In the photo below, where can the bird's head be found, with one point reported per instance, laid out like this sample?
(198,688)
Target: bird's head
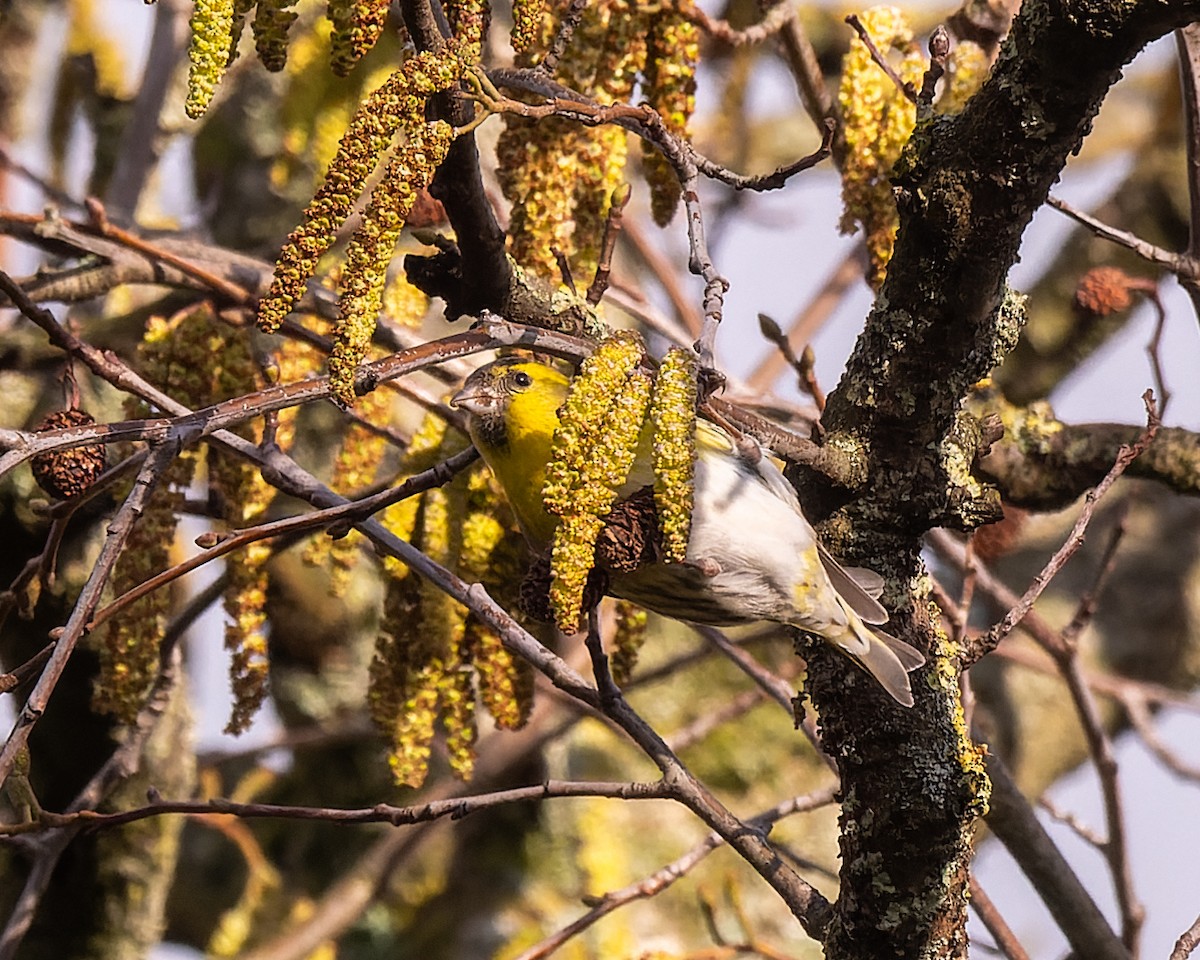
(510,399)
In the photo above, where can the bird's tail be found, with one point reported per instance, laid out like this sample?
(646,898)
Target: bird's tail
(888,659)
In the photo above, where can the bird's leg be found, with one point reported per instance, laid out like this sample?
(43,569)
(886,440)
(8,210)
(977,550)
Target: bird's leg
(607,687)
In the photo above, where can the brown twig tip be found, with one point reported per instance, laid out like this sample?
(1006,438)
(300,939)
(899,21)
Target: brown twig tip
(939,49)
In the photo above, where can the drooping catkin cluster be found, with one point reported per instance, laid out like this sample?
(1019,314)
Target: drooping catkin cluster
(210,52)
(431,654)
(245,497)
(365,272)
(217,25)
(560,176)
(356,24)
(594,447)
(628,637)
(672,57)
(877,121)
(272,21)
(396,107)
(673,413)
(174,351)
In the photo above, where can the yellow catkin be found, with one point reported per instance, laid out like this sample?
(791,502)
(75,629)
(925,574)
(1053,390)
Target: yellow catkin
(370,252)
(967,67)
(399,100)
(357,25)
(593,450)
(420,670)
(628,638)
(505,681)
(877,121)
(209,53)
(468,19)
(673,413)
(355,468)
(672,58)
(404,303)
(176,351)
(527,30)
(245,496)
(558,176)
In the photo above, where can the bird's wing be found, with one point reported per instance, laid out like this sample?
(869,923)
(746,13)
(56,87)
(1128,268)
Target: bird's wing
(857,586)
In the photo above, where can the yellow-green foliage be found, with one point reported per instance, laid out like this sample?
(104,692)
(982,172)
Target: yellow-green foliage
(673,413)
(210,51)
(877,120)
(370,252)
(593,450)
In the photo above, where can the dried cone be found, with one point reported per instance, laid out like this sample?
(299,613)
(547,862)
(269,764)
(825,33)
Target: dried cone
(68,473)
(1104,290)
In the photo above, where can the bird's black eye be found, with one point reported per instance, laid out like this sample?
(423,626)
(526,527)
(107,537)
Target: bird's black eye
(522,379)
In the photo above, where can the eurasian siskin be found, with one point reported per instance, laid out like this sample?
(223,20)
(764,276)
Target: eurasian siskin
(751,555)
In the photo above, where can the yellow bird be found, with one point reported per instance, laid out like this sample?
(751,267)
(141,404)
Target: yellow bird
(752,555)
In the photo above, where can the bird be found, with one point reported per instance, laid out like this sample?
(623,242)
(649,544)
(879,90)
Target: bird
(751,555)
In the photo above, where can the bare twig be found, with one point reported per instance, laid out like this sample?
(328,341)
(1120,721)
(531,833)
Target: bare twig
(881,59)
(612,229)
(1187,41)
(330,517)
(813,315)
(939,49)
(658,881)
(1006,941)
(778,15)
(1074,540)
(1138,710)
(804,365)
(455,808)
(1014,822)
(1187,942)
(1181,265)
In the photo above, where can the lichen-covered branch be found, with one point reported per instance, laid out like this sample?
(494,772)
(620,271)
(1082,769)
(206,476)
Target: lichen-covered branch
(1045,464)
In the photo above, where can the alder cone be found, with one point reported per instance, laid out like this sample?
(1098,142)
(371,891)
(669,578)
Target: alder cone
(68,473)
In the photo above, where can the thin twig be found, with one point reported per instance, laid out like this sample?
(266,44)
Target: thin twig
(881,59)
(658,881)
(1181,265)
(455,808)
(1006,941)
(1074,540)
(1187,942)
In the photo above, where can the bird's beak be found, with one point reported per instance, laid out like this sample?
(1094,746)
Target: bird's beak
(477,398)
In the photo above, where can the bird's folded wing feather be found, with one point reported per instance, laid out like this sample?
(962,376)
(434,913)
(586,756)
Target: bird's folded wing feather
(858,586)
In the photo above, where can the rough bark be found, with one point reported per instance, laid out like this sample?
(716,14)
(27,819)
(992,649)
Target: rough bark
(966,188)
